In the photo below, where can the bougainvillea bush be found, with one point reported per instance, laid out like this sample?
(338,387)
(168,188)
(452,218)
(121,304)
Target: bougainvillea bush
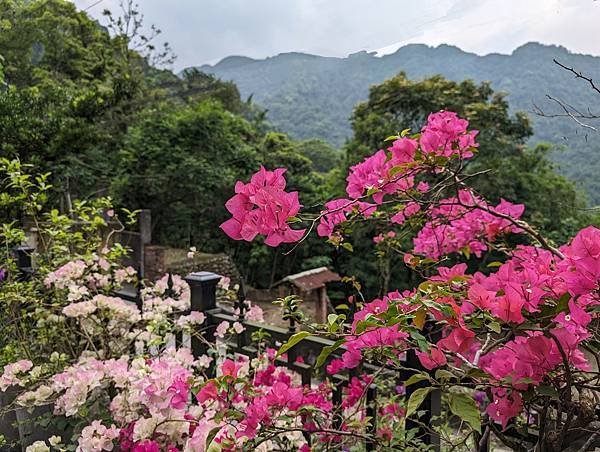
(511,345)
(503,324)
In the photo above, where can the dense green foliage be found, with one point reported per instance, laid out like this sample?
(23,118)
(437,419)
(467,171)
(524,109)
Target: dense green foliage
(78,103)
(311,96)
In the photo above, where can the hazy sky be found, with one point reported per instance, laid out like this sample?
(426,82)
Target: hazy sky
(205,31)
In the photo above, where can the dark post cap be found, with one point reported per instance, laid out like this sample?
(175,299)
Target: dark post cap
(201,277)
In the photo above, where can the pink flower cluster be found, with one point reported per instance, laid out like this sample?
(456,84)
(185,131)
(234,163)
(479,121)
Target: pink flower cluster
(337,212)
(445,134)
(375,338)
(114,308)
(263,207)
(96,437)
(151,405)
(465,223)
(271,396)
(373,174)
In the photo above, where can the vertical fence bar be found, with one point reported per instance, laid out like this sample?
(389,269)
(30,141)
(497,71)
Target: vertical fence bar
(372,414)
(431,405)
(145,223)
(482,442)
(292,353)
(240,304)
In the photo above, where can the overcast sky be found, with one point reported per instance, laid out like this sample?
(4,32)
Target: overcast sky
(205,31)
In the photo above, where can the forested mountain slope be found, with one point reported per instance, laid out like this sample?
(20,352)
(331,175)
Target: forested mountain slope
(313,96)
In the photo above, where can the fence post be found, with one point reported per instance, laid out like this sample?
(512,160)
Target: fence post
(23,257)
(203,298)
(431,405)
(145,224)
(371,413)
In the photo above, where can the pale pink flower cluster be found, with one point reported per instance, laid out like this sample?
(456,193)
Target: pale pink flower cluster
(254,313)
(75,385)
(114,308)
(153,397)
(81,277)
(159,302)
(180,289)
(66,275)
(13,373)
(222,329)
(97,437)
(193,318)
(224,283)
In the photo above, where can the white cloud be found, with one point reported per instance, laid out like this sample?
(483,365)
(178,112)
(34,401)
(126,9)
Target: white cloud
(207,30)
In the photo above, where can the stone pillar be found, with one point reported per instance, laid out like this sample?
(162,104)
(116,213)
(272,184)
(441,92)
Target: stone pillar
(322,309)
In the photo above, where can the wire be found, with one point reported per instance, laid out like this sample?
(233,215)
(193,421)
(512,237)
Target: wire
(93,4)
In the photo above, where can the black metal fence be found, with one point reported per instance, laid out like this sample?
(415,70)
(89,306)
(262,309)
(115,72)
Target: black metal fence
(203,286)
(203,292)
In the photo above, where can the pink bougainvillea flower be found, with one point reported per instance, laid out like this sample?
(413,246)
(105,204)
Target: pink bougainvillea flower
(445,134)
(464,223)
(229,368)
(435,358)
(146,446)
(281,394)
(505,405)
(208,392)
(458,341)
(263,207)
(356,390)
(583,259)
(180,390)
(337,211)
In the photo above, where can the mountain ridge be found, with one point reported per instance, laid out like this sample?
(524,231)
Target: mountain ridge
(312,96)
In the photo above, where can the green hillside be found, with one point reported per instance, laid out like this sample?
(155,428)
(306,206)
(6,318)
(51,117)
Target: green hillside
(311,96)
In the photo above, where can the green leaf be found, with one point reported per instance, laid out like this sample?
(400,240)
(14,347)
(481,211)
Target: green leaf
(563,303)
(415,379)
(211,444)
(465,408)
(371,191)
(495,327)
(348,246)
(419,319)
(326,351)
(293,340)
(549,391)
(442,374)
(416,399)
(392,138)
(466,252)
(396,170)
(494,264)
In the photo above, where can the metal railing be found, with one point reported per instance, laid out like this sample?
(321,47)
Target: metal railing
(203,287)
